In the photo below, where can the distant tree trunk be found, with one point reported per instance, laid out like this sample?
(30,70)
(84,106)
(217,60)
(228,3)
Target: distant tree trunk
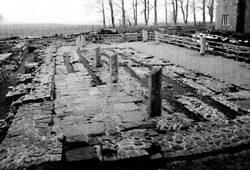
(98,6)
(194,12)
(175,10)
(204,12)
(103,15)
(184,10)
(112,13)
(155,10)
(166,12)
(187,11)
(123,14)
(146,11)
(122,7)
(210,7)
(135,5)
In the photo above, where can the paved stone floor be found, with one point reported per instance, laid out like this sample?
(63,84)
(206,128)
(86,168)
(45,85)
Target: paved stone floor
(221,68)
(74,114)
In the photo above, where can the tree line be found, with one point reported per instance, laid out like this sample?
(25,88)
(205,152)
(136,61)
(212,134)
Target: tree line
(129,10)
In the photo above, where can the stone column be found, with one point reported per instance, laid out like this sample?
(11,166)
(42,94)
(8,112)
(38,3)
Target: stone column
(98,57)
(203,45)
(145,35)
(83,41)
(114,68)
(154,92)
(157,40)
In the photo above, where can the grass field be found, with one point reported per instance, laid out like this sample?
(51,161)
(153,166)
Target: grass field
(23,30)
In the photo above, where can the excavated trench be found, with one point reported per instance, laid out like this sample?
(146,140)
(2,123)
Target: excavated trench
(96,80)
(11,80)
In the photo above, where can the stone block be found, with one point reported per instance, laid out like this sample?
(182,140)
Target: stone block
(81,154)
(155,156)
(132,153)
(122,154)
(152,132)
(91,129)
(109,158)
(76,138)
(134,116)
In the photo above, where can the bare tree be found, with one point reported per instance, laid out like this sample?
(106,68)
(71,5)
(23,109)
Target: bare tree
(204,11)
(201,4)
(103,13)
(135,8)
(175,10)
(146,10)
(166,12)
(210,7)
(97,6)
(123,14)
(112,13)
(193,5)
(122,7)
(155,11)
(184,9)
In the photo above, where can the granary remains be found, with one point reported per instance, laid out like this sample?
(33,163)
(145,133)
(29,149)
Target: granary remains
(233,15)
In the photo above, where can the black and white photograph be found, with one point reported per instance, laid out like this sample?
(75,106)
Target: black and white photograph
(124,84)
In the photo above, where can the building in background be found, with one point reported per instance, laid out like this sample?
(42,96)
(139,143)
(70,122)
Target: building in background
(233,15)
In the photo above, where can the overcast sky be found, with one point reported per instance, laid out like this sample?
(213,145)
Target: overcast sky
(57,11)
(45,11)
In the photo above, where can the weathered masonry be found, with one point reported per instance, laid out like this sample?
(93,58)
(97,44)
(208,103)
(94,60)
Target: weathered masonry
(233,15)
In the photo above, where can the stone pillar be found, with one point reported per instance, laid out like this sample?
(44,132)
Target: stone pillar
(154,92)
(144,35)
(157,40)
(114,68)
(203,45)
(78,41)
(98,57)
(83,41)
